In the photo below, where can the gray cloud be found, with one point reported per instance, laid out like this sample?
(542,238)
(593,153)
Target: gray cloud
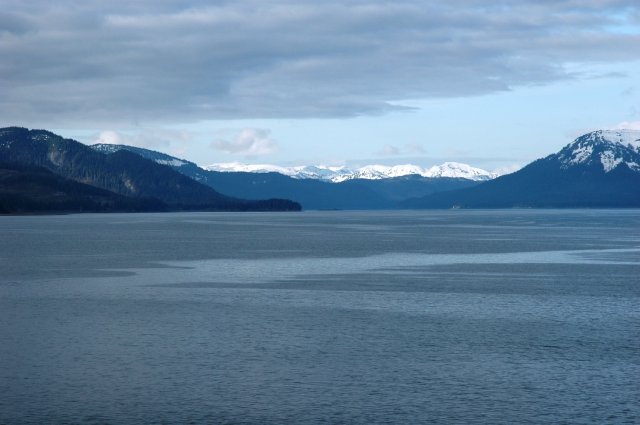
(88,63)
(408,149)
(173,142)
(628,125)
(248,142)
(152,138)
(389,150)
(414,148)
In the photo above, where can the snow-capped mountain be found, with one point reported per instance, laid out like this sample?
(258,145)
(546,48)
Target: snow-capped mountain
(459,170)
(335,174)
(598,169)
(319,172)
(369,172)
(607,148)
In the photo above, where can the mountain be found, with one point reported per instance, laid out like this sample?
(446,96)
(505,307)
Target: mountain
(458,170)
(122,172)
(313,191)
(30,189)
(369,172)
(182,166)
(606,148)
(599,169)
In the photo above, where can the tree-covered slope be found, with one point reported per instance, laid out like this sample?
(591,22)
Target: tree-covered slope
(122,172)
(30,189)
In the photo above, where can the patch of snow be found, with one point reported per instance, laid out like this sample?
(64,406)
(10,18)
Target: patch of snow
(41,137)
(634,166)
(624,137)
(172,162)
(106,148)
(581,154)
(609,161)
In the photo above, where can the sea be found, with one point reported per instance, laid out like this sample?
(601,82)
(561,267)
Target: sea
(328,317)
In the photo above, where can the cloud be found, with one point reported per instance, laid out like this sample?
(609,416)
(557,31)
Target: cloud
(627,125)
(507,169)
(414,148)
(113,64)
(248,142)
(108,137)
(145,138)
(408,149)
(174,142)
(388,150)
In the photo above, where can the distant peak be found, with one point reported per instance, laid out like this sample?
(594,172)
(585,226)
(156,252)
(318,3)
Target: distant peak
(457,169)
(338,174)
(603,148)
(624,137)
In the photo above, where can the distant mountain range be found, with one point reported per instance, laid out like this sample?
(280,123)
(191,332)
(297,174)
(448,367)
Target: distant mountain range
(454,170)
(43,172)
(141,184)
(317,189)
(598,169)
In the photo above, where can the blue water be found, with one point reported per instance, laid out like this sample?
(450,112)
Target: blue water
(517,316)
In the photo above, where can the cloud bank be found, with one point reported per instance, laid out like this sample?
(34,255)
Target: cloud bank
(69,63)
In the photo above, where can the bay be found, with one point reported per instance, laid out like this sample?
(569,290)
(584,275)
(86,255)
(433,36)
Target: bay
(511,316)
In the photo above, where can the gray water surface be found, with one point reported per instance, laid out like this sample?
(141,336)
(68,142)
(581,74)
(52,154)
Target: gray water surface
(321,317)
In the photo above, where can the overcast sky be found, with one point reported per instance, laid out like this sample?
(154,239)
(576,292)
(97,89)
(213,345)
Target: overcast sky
(491,83)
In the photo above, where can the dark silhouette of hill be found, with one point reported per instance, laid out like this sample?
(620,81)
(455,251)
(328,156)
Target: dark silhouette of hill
(30,189)
(122,172)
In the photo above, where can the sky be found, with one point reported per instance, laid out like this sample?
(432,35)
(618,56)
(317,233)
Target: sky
(495,84)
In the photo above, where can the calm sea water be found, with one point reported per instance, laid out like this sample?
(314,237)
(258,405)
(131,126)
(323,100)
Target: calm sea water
(321,317)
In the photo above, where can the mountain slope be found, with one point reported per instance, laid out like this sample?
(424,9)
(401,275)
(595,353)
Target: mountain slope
(29,189)
(182,166)
(312,193)
(122,172)
(598,169)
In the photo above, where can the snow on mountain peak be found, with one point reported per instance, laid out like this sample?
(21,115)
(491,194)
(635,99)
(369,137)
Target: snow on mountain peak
(338,174)
(623,137)
(246,168)
(459,170)
(609,148)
